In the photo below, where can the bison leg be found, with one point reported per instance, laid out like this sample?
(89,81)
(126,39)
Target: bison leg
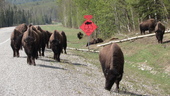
(65,50)
(17,53)
(54,57)
(13,53)
(117,86)
(29,60)
(58,57)
(33,61)
(161,38)
(43,51)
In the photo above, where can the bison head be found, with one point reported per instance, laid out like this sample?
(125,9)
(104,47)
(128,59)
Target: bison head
(54,44)
(29,44)
(111,76)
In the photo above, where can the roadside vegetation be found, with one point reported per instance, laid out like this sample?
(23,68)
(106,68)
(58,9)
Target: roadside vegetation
(147,68)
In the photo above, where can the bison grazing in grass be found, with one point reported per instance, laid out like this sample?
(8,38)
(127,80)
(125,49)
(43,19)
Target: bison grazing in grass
(112,63)
(30,42)
(56,44)
(16,37)
(147,25)
(159,30)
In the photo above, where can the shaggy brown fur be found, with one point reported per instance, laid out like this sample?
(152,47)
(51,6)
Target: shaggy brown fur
(147,25)
(159,30)
(112,63)
(64,41)
(16,45)
(30,42)
(56,44)
(22,27)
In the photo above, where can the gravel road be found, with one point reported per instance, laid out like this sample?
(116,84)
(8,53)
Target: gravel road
(73,76)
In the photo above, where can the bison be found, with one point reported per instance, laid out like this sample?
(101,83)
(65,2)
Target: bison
(80,35)
(44,39)
(147,25)
(16,45)
(16,37)
(64,41)
(48,36)
(112,63)
(56,44)
(30,42)
(94,41)
(159,30)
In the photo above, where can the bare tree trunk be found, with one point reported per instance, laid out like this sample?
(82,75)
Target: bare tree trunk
(133,22)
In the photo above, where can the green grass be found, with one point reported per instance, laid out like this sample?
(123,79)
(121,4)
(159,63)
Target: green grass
(142,52)
(71,33)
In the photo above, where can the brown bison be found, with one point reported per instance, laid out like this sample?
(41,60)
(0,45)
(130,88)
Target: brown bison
(112,63)
(48,36)
(80,35)
(94,41)
(16,37)
(30,42)
(44,39)
(159,30)
(64,41)
(147,25)
(56,44)
(16,45)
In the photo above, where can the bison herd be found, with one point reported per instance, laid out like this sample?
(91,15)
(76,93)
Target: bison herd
(34,40)
(153,25)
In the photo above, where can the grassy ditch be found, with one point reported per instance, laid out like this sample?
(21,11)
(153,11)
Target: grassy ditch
(147,63)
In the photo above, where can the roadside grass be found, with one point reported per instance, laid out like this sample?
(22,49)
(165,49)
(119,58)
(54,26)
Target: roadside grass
(146,61)
(71,34)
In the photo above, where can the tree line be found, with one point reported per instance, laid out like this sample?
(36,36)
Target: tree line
(12,15)
(112,16)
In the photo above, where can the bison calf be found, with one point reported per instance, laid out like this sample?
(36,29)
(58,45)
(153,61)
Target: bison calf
(112,63)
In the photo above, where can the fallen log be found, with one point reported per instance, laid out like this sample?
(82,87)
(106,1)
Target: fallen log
(128,39)
(84,50)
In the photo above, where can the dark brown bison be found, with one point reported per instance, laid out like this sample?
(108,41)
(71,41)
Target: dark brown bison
(159,30)
(44,39)
(94,41)
(147,25)
(112,63)
(80,35)
(30,42)
(16,45)
(16,37)
(48,36)
(56,44)
(64,41)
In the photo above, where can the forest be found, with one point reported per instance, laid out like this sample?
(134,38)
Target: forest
(14,12)
(112,16)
